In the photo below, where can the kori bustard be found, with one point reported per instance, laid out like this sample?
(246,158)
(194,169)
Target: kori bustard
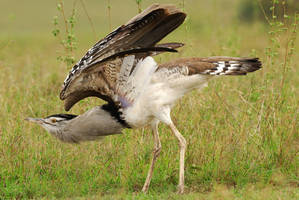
(139,92)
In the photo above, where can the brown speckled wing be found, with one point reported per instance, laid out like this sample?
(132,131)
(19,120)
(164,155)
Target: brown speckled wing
(95,74)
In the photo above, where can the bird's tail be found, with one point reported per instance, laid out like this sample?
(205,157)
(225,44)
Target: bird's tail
(232,65)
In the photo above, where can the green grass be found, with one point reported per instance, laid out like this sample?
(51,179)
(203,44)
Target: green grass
(242,132)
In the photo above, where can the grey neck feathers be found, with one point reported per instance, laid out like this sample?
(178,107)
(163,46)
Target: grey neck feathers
(92,125)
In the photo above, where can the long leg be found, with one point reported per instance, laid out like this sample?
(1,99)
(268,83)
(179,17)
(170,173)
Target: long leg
(183,145)
(156,153)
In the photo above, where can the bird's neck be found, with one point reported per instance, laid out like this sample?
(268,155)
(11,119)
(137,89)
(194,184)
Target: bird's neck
(92,125)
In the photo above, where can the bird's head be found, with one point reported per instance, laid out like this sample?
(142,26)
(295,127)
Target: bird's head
(53,123)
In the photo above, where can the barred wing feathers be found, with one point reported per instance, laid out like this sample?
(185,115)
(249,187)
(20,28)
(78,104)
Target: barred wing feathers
(218,65)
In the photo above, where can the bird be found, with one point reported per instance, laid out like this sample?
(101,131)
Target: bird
(139,92)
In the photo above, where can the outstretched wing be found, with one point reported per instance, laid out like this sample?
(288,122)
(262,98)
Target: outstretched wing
(217,65)
(96,74)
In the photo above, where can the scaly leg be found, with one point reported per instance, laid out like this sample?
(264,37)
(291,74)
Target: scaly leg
(156,152)
(183,145)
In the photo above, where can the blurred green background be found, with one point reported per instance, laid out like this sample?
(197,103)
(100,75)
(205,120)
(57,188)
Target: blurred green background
(242,132)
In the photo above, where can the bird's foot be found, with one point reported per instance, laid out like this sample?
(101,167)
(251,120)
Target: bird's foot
(180,189)
(145,188)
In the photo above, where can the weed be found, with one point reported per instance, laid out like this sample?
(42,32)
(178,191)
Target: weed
(138,2)
(66,39)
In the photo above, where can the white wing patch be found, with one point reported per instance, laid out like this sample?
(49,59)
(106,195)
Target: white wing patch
(131,85)
(142,75)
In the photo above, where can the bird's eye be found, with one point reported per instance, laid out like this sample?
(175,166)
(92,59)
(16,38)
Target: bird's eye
(53,120)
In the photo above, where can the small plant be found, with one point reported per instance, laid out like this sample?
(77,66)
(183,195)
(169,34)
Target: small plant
(279,54)
(183,5)
(67,37)
(138,2)
(282,35)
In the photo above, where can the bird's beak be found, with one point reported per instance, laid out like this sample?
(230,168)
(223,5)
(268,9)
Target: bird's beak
(35,120)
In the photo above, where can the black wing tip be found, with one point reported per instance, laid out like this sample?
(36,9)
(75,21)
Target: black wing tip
(250,65)
(254,64)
